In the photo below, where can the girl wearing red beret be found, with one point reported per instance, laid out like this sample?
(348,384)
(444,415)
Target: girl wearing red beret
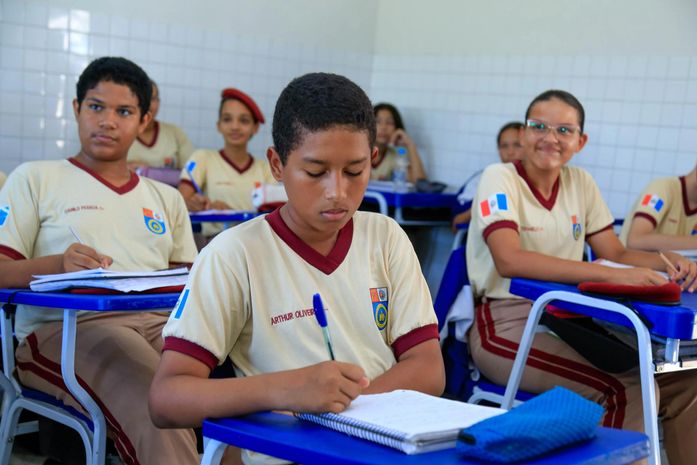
(224,179)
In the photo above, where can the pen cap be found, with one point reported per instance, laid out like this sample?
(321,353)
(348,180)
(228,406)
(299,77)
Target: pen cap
(319,310)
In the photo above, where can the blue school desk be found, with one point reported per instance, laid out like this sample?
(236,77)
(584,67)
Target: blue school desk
(669,325)
(307,443)
(221,216)
(389,198)
(71,303)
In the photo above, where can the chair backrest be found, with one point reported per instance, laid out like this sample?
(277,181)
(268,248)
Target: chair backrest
(454,277)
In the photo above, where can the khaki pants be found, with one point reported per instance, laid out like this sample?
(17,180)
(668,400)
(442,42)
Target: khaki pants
(116,356)
(493,342)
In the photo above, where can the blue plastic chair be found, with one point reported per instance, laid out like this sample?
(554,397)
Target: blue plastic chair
(462,379)
(17,398)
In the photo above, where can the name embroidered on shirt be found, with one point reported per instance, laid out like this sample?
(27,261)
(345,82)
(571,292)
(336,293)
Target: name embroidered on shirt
(82,208)
(283,317)
(495,203)
(532,228)
(653,201)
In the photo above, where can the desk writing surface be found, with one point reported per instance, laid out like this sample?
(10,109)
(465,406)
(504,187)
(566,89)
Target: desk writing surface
(308,443)
(417,199)
(221,216)
(96,302)
(667,320)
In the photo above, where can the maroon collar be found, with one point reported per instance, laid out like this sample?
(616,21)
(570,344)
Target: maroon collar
(154,139)
(239,169)
(547,203)
(129,186)
(327,264)
(685,203)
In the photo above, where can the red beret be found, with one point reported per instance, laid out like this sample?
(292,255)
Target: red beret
(231,93)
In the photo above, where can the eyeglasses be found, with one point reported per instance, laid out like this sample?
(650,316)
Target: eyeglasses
(562,132)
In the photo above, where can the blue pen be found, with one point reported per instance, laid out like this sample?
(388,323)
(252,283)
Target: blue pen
(190,169)
(322,320)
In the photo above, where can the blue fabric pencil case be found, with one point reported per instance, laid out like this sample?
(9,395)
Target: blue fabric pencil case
(551,420)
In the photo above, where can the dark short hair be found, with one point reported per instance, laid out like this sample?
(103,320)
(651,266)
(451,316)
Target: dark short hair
(506,127)
(565,97)
(119,71)
(316,102)
(398,123)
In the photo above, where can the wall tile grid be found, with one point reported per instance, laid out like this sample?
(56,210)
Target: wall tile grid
(44,49)
(641,112)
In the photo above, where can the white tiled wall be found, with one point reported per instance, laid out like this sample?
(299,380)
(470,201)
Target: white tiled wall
(43,49)
(641,112)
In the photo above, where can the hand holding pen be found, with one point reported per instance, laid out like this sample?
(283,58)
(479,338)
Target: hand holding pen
(79,256)
(683,272)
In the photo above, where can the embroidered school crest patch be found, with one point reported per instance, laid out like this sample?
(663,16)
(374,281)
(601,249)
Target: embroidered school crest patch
(495,203)
(693,233)
(378,296)
(154,221)
(575,227)
(4,214)
(653,201)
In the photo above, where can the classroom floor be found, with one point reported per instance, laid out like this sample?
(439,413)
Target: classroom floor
(23,456)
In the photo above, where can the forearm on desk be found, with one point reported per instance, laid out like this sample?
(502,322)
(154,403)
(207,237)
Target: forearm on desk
(655,241)
(18,273)
(419,368)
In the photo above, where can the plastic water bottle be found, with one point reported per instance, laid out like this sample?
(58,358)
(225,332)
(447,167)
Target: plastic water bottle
(399,175)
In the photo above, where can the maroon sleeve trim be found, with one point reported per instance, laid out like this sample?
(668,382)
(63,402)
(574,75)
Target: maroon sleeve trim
(414,338)
(12,253)
(192,350)
(647,216)
(499,225)
(609,226)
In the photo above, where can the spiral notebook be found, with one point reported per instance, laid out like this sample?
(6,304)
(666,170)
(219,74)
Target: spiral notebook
(410,421)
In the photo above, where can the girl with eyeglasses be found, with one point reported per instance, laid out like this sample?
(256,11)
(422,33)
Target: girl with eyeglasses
(531,219)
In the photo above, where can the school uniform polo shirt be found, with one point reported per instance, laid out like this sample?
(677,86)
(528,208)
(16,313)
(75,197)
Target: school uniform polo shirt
(382,168)
(664,204)
(558,226)
(250,294)
(142,225)
(170,147)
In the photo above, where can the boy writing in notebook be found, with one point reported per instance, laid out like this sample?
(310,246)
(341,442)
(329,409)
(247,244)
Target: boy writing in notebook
(250,294)
(125,223)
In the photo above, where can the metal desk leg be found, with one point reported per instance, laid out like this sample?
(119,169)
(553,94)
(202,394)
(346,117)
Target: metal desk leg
(646,367)
(212,452)
(382,203)
(68,372)
(672,350)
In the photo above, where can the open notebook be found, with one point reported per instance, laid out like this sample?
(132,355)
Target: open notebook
(122,281)
(410,421)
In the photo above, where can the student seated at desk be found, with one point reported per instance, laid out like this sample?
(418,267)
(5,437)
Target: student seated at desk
(664,216)
(160,144)
(125,222)
(510,149)
(530,220)
(227,177)
(250,294)
(390,135)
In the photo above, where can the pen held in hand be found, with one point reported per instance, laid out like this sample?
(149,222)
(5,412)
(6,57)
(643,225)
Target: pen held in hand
(190,170)
(669,265)
(321,316)
(77,238)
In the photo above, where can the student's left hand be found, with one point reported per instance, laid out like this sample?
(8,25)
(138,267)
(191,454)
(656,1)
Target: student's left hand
(687,272)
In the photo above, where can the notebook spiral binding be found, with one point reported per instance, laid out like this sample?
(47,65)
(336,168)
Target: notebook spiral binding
(385,436)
